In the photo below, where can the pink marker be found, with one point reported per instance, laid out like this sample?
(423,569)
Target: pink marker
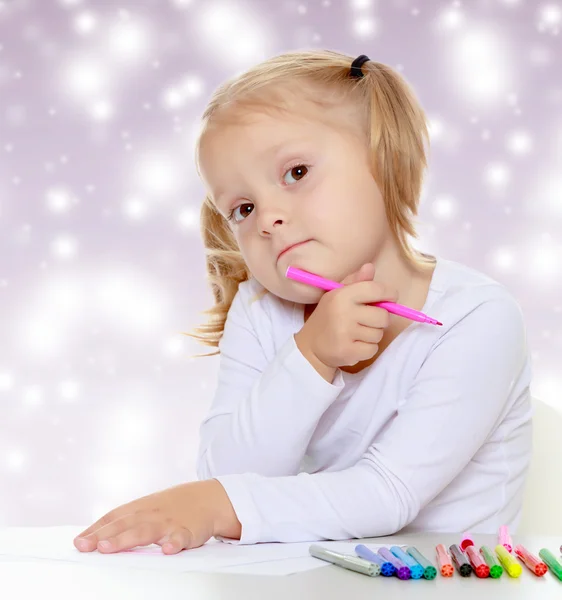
(505,538)
(327,284)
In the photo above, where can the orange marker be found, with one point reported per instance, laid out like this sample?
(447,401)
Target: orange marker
(444,561)
(532,562)
(480,567)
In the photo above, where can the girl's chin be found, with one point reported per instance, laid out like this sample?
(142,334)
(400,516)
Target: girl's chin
(302,293)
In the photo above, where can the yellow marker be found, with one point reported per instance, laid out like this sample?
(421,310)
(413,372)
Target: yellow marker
(513,568)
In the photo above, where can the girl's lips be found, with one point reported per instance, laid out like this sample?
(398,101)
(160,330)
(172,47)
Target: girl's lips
(291,247)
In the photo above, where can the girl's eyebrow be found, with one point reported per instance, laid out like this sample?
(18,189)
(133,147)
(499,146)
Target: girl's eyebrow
(274,149)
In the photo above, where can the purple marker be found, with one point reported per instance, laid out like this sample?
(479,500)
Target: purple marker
(402,570)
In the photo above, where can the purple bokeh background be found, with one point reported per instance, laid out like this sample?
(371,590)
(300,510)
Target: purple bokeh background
(101,263)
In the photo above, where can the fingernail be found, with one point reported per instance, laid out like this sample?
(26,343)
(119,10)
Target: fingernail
(105,545)
(82,543)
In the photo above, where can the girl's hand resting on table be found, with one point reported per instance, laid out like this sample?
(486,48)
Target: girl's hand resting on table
(181,517)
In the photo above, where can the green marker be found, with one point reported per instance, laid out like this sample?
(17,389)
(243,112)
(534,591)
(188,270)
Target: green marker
(429,571)
(496,570)
(551,562)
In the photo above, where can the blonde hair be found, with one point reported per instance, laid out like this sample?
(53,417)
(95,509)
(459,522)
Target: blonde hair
(396,131)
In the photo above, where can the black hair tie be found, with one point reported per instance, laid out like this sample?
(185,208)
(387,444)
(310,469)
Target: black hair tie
(356,65)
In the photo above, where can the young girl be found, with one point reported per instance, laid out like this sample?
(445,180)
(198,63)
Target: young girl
(334,419)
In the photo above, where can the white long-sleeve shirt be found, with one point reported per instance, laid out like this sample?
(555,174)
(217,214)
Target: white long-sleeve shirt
(434,436)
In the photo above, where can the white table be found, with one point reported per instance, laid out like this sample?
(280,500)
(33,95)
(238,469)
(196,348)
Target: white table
(23,579)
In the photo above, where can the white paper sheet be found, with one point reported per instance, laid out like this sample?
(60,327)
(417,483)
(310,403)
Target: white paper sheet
(55,543)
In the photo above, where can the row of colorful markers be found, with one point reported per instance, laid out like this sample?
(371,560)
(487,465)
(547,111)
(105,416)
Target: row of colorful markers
(412,564)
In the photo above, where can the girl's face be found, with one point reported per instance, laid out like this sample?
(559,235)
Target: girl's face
(296,191)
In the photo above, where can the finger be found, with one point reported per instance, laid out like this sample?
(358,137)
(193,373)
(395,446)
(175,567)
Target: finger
(89,542)
(364,350)
(370,292)
(177,541)
(365,273)
(140,534)
(125,509)
(368,335)
(109,517)
(372,316)
(105,520)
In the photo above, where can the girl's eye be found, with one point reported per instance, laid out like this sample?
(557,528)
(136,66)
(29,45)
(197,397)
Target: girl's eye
(297,172)
(240,212)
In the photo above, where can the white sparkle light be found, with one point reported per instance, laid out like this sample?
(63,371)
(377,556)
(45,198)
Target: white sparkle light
(176,96)
(233,33)
(497,175)
(549,18)
(157,174)
(361,4)
(130,301)
(102,110)
(45,324)
(135,208)
(86,77)
(129,41)
(450,19)
(60,199)
(174,347)
(444,207)
(435,127)
(15,460)
(503,259)
(85,22)
(64,246)
(189,219)
(545,261)
(69,390)
(445,135)
(364,27)
(519,143)
(480,65)
(173,98)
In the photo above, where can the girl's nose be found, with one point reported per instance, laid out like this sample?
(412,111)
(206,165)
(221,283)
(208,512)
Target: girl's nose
(271,218)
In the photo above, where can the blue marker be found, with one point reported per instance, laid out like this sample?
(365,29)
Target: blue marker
(415,567)
(387,568)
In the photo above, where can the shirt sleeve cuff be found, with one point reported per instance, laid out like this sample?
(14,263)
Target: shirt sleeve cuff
(244,507)
(313,382)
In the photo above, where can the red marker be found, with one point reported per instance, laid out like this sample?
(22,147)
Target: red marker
(532,562)
(480,567)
